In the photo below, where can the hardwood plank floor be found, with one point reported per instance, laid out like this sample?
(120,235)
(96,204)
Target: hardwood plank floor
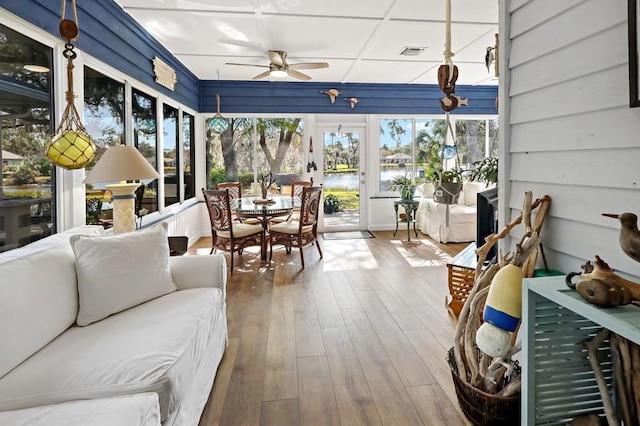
(357,338)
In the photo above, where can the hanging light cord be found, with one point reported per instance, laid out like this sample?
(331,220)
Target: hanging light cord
(69,31)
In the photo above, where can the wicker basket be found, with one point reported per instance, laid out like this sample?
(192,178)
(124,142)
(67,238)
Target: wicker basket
(484,409)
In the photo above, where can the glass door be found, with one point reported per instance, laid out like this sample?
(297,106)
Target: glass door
(343,179)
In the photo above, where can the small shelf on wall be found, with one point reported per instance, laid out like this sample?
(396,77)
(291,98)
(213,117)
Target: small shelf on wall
(558,382)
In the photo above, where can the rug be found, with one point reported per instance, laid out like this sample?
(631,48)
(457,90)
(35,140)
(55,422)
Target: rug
(347,235)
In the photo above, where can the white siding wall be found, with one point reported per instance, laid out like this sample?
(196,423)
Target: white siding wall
(568,129)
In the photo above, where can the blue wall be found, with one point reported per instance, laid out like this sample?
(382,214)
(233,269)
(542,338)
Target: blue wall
(112,36)
(305,97)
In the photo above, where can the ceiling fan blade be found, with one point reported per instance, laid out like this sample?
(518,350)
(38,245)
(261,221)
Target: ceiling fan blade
(278,57)
(247,65)
(298,75)
(309,65)
(262,75)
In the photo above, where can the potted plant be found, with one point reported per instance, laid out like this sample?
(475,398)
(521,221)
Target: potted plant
(448,187)
(405,185)
(485,171)
(332,204)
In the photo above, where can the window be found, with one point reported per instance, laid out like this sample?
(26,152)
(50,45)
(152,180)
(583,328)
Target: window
(476,140)
(27,185)
(412,146)
(104,121)
(171,155)
(188,155)
(233,155)
(146,140)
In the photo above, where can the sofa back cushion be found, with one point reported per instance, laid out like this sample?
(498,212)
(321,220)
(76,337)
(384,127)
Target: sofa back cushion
(118,272)
(38,301)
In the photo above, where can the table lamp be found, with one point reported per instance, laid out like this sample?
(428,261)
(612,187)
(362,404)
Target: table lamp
(122,163)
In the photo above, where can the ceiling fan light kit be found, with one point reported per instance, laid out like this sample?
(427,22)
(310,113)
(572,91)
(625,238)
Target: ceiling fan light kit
(278,73)
(279,68)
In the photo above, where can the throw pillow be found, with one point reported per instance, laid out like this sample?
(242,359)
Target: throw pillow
(121,271)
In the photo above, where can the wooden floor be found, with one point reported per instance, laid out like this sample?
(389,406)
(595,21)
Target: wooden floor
(357,338)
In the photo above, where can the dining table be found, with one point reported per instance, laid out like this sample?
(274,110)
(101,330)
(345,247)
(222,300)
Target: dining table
(264,210)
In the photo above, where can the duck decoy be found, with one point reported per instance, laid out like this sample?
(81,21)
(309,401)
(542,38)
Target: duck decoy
(332,93)
(629,234)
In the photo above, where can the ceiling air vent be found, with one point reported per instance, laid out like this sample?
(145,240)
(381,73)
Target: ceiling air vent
(412,51)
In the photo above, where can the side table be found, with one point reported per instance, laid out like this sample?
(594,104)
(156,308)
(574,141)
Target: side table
(461,273)
(178,245)
(410,208)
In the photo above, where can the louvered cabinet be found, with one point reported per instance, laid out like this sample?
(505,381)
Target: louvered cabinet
(558,382)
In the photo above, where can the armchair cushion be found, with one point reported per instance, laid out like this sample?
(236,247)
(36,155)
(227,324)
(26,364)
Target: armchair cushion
(290,227)
(470,191)
(241,230)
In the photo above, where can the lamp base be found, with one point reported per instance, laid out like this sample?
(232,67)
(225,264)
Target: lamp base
(123,196)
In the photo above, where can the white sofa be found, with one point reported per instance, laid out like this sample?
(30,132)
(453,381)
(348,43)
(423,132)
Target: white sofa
(170,345)
(432,216)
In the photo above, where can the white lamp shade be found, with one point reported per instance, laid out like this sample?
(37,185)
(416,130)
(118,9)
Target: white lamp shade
(121,162)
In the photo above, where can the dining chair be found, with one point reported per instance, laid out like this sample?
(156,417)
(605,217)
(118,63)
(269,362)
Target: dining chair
(303,232)
(296,192)
(226,234)
(235,191)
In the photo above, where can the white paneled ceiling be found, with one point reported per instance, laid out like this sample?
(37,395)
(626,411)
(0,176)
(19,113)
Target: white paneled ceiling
(361,40)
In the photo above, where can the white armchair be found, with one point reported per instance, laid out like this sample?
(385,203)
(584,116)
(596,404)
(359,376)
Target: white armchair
(432,216)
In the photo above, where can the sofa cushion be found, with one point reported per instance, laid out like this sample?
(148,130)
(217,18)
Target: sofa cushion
(121,271)
(130,410)
(154,347)
(38,295)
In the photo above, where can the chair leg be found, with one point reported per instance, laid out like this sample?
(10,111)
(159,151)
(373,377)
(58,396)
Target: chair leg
(300,248)
(319,250)
(231,262)
(270,249)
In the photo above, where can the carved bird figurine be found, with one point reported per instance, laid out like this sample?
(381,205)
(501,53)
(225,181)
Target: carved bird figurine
(332,93)
(489,57)
(629,234)
(352,101)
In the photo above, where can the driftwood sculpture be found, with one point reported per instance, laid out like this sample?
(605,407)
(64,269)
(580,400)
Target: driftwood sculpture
(479,370)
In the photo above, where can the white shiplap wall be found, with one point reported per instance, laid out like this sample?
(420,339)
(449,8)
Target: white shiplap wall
(569,131)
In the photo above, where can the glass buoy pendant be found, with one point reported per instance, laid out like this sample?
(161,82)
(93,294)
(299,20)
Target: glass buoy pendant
(72,149)
(218,124)
(70,146)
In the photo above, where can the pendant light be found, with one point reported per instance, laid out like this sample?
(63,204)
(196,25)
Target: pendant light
(218,124)
(70,147)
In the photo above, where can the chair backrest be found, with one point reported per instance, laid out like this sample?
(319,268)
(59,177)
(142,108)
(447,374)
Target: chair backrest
(310,205)
(218,206)
(94,209)
(297,186)
(139,197)
(235,189)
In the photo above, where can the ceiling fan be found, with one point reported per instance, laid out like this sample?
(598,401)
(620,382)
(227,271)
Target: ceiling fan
(278,67)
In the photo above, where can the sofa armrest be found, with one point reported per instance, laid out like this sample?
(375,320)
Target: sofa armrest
(199,271)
